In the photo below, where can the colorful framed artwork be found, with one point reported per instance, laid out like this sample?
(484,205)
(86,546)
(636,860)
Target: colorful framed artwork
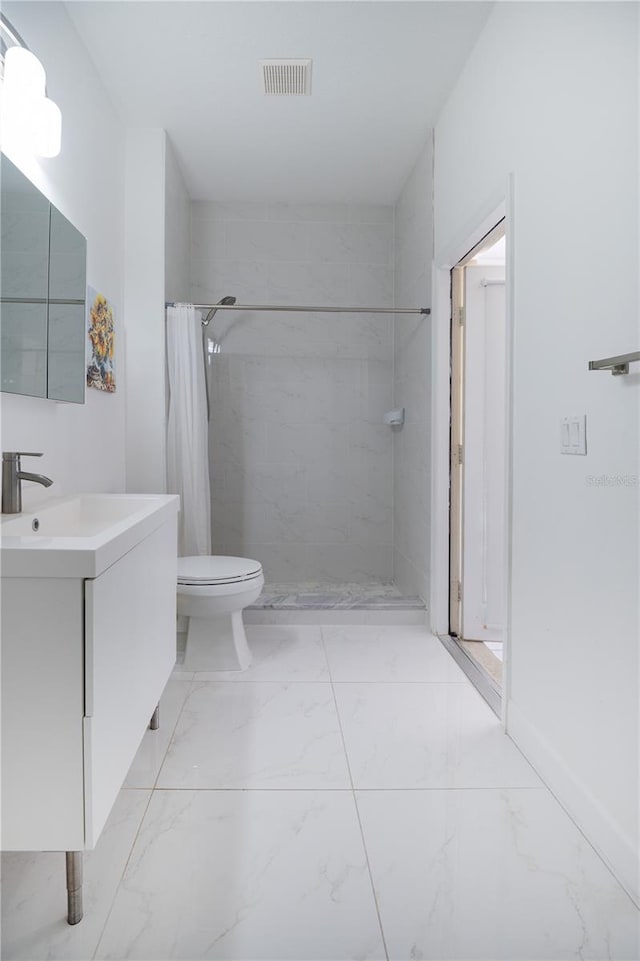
(101,343)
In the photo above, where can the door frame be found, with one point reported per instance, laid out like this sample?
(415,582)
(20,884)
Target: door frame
(495,209)
(461,367)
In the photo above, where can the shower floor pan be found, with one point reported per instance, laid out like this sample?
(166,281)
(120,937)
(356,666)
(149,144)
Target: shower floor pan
(315,596)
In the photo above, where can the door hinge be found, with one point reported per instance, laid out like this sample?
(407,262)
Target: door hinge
(459,592)
(461,316)
(457,455)
(460,455)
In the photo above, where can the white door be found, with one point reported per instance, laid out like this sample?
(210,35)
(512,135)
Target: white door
(483,506)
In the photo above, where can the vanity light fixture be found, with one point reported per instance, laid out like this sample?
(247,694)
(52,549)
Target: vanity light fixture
(29,120)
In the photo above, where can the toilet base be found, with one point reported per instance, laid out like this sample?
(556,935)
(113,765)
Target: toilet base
(217,643)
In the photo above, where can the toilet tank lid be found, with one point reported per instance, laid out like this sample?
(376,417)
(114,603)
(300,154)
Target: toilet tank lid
(211,568)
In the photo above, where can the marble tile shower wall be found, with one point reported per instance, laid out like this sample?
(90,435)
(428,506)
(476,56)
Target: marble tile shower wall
(412,381)
(301,463)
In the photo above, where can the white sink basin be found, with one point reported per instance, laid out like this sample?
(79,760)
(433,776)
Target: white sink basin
(79,536)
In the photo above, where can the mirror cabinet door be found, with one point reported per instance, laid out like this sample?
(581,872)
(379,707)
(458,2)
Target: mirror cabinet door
(42,294)
(67,327)
(23,349)
(24,262)
(67,362)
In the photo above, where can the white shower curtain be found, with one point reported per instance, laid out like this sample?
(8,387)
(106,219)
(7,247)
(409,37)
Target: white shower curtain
(187,430)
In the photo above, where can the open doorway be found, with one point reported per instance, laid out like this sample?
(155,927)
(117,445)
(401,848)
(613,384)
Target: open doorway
(477,578)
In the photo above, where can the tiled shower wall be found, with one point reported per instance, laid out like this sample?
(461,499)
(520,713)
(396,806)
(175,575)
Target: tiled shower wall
(301,463)
(412,380)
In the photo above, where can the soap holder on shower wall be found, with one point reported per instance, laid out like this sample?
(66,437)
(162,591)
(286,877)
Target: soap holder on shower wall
(394,418)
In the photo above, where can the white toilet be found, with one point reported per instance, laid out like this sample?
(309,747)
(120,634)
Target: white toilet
(212,593)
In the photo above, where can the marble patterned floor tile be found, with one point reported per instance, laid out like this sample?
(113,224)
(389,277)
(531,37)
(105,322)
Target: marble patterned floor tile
(34,897)
(148,760)
(281,652)
(491,876)
(427,736)
(257,735)
(246,875)
(379,653)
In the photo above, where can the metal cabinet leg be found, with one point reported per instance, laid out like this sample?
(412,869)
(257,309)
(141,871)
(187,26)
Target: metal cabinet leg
(74,886)
(154,723)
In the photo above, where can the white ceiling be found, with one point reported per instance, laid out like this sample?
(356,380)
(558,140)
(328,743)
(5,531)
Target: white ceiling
(381,72)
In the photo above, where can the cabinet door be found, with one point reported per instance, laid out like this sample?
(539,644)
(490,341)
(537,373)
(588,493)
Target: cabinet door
(130,650)
(42,699)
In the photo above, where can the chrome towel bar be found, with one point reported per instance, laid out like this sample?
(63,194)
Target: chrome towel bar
(617,365)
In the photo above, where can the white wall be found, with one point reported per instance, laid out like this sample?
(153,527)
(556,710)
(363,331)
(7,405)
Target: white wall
(83,445)
(301,461)
(412,382)
(144,305)
(177,230)
(550,93)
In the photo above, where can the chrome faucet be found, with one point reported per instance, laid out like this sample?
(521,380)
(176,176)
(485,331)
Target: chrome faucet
(11,477)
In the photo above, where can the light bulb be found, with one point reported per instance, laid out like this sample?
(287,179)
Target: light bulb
(24,73)
(18,120)
(28,119)
(48,136)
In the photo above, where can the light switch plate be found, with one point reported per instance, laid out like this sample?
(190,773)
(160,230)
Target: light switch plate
(573,435)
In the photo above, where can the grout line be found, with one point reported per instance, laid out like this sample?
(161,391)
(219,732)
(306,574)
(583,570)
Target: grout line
(394,391)
(248,683)
(355,802)
(320,680)
(123,872)
(344,790)
(144,814)
(462,681)
(545,786)
(261,789)
(173,732)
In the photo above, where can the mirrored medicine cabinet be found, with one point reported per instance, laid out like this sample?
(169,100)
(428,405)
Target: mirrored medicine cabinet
(43,262)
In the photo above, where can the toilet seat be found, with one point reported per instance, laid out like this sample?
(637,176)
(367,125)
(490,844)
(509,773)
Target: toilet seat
(210,570)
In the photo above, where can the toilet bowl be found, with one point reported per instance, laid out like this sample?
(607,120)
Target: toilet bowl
(212,593)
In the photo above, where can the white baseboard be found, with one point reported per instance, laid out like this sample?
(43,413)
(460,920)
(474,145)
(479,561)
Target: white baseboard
(615,848)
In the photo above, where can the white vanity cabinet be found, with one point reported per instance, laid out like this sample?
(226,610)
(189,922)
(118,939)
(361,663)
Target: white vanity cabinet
(84,662)
(130,651)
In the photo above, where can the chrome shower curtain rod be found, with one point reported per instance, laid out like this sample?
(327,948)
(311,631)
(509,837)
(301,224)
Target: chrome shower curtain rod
(314,310)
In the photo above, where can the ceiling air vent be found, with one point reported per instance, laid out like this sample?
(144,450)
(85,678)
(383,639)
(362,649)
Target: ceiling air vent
(286,78)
